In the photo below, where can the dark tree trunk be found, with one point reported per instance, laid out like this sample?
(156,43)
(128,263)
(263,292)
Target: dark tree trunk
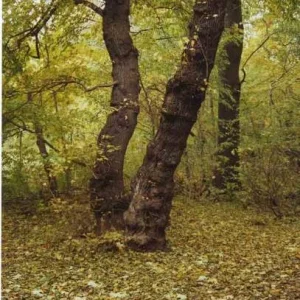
(40,141)
(148,214)
(68,180)
(229,99)
(106,185)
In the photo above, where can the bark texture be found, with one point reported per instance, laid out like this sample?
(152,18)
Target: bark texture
(148,213)
(106,185)
(229,99)
(40,141)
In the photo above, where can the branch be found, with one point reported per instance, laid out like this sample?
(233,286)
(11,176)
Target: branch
(250,56)
(98,10)
(154,87)
(274,82)
(9,134)
(37,47)
(18,108)
(78,162)
(35,30)
(150,110)
(25,128)
(71,80)
(141,31)
(87,90)
(50,145)
(64,83)
(53,84)
(44,19)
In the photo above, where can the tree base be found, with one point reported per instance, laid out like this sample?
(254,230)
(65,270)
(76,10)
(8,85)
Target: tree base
(142,243)
(109,222)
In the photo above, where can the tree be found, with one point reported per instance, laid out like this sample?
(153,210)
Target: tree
(270,99)
(40,141)
(152,189)
(229,98)
(107,183)
(35,67)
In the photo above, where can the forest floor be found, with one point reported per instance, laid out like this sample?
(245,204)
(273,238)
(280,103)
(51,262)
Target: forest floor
(217,251)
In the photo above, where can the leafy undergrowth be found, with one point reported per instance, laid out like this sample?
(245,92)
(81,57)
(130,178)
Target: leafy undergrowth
(217,251)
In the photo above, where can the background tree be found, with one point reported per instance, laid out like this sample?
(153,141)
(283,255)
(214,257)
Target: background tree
(229,98)
(269,175)
(74,66)
(55,72)
(269,53)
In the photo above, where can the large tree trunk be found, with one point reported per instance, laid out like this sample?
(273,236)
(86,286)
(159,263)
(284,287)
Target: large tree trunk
(148,214)
(40,141)
(106,185)
(229,99)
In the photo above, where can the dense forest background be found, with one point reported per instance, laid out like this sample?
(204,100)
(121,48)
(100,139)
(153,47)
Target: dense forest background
(53,78)
(57,93)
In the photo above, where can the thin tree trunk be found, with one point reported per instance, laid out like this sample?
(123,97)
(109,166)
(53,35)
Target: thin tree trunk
(229,99)
(20,151)
(148,214)
(67,169)
(40,141)
(68,180)
(106,185)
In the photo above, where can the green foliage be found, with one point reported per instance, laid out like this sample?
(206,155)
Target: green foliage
(73,59)
(219,250)
(269,116)
(276,183)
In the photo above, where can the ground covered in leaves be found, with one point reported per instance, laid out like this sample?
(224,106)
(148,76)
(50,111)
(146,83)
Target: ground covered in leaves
(217,251)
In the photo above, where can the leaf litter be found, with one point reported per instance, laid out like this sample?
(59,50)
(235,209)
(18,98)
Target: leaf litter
(216,252)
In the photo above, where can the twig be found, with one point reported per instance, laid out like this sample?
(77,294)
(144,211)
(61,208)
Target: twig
(53,84)
(35,30)
(250,56)
(150,110)
(25,128)
(91,5)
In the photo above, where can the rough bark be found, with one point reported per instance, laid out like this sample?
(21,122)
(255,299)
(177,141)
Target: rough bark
(40,141)
(229,99)
(106,185)
(148,213)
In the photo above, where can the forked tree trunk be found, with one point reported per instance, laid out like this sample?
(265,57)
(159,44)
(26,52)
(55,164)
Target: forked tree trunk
(148,214)
(229,99)
(106,185)
(40,141)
